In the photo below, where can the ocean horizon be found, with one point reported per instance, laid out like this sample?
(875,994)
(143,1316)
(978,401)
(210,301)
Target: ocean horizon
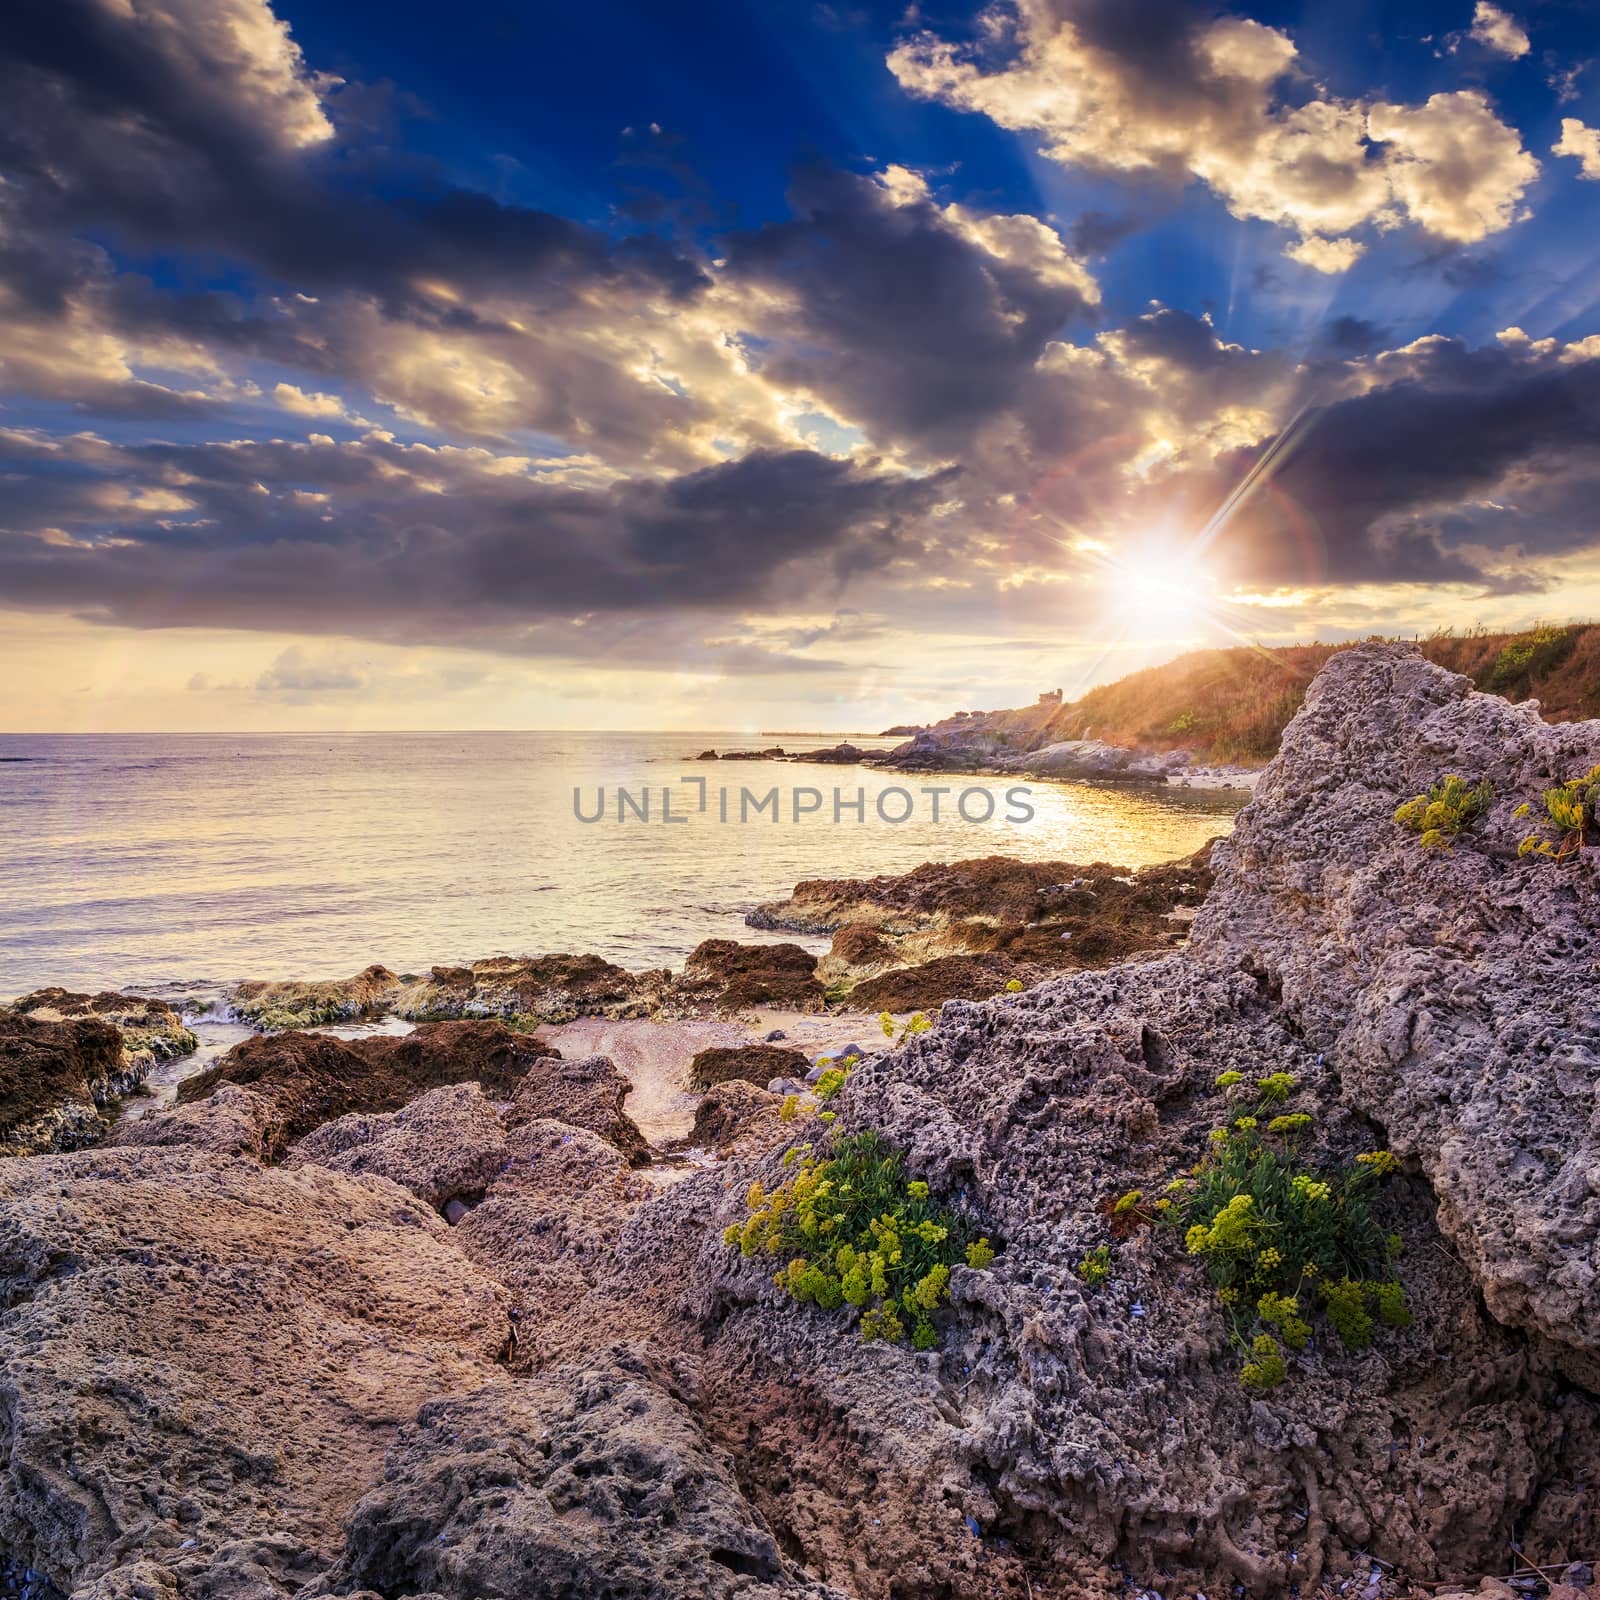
(181,863)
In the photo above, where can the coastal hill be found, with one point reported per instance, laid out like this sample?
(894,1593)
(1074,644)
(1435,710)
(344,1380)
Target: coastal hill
(1233,705)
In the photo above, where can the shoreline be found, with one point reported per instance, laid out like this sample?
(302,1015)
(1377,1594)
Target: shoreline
(421,1271)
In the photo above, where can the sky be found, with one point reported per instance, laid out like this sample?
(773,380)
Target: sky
(775,366)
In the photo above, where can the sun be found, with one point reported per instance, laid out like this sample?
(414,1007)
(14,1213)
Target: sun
(1159,589)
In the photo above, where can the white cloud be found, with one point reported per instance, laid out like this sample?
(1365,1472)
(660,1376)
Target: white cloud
(1582,144)
(1451,166)
(306,404)
(1326,255)
(1499,31)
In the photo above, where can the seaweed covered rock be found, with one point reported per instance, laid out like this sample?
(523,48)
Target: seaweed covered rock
(151,1030)
(311,1078)
(296,1004)
(55,1080)
(533,989)
(963,930)
(724,977)
(753,1063)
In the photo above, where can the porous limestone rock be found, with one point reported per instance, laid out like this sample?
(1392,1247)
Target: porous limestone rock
(588,1092)
(446,1145)
(1440,1003)
(200,1351)
(732,1112)
(1455,992)
(593,1481)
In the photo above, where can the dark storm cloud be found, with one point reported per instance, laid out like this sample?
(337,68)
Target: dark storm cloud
(387,541)
(128,124)
(1352,336)
(910,326)
(1393,481)
(1096,233)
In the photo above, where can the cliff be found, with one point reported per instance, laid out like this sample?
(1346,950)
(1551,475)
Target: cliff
(1225,706)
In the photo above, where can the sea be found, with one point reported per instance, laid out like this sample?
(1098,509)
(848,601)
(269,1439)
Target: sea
(179,864)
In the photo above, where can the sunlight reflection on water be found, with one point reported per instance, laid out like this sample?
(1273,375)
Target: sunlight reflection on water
(171,861)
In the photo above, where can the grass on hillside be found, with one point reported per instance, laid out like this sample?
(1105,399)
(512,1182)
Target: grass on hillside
(1233,705)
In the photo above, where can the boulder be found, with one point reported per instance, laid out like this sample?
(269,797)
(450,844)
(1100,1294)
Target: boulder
(595,1480)
(446,1145)
(55,1080)
(723,976)
(232,1121)
(1454,991)
(754,1063)
(310,1078)
(293,1004)
(1439,1003)
(202,1353)
(586,1093)
(549,1223)
(731,1113)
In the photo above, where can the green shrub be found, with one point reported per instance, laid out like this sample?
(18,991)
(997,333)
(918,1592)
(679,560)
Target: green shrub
(1529,657)
(913,1025)
(1095,1268)
(1280,1238)
(853,1230)
(1571,809)
(1449,806)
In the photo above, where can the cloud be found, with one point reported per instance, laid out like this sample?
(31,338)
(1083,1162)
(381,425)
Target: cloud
(1431,450)
(307,405)
(1499,31)
(912,318)
(619,464)
(1582,144)
(1453,166)
(438,545)
(297,673)
(1326,255)
(1183,95)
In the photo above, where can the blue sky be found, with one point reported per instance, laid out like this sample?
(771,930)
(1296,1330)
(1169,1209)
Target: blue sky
(386,365)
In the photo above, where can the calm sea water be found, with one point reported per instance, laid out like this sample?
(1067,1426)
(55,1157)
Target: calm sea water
(182,862)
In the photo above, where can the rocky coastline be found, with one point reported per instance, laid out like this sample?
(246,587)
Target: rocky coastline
(444,1312)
